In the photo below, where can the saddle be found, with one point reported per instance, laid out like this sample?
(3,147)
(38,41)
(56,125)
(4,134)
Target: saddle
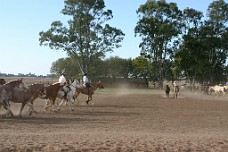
(89,87)
(65,89)
(82,87)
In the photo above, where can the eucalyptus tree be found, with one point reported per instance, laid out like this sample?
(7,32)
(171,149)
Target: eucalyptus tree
(216,31)
(189,57)
(203,51)
(87,36)
(159,26)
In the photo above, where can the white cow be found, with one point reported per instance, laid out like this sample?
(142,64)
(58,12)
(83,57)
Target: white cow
(226,89)
(217,90)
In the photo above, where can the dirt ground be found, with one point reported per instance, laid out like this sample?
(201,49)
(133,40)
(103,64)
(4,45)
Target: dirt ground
(130,121)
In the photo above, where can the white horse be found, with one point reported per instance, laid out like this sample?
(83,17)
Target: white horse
(67,94)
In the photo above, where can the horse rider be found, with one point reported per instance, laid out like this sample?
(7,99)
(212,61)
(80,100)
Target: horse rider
(167,90)
(176,85)
(63,81)
(86,82)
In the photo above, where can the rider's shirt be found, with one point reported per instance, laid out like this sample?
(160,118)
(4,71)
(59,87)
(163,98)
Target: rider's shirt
(62,80)
(85,80)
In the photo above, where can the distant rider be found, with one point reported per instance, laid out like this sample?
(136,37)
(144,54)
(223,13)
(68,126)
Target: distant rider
(167,90)
(175,84)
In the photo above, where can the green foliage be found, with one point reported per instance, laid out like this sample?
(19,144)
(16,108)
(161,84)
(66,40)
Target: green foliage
(68,66)
(118,67)
(158,25)
(86,38)
(218,11)
(140,67)
(203,51)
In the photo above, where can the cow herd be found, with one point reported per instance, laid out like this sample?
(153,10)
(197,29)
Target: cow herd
(207,89)
(217,90)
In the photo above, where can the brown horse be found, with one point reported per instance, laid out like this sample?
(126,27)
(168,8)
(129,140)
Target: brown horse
(89,92)
(176,91)
(2,81)
(27,96)
(6,94)
(51,93)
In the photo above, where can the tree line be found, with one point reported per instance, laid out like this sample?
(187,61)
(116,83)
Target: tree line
(175,44)
(33,75)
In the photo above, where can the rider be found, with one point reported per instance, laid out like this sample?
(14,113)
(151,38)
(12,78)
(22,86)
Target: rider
(175,84)
(167,90)
(86,82)
(63,81)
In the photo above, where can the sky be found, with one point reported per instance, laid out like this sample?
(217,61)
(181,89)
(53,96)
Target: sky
(22,20)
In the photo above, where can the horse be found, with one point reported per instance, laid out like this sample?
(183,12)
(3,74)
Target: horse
(2,81)
(67,94)
(51,93)
(176,91)
(27,96)
(6,94)
(89,92)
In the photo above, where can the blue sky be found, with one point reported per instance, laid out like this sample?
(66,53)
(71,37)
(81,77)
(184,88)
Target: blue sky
(22,20)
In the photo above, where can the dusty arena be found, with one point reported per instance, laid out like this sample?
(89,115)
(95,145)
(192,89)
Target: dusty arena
(122,121)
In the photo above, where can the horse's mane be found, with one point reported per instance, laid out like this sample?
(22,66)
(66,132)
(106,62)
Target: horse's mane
(13,81)
(35,84)
(55,83)
(96,82)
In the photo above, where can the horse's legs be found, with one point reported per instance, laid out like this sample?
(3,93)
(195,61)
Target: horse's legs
(22,107)
(31,107)
(176,95)
(6,107)
(73,100)
(47,104)
(53,103)
(69,104)
(8,110)
(87,101)
(75,97)
(60,104)
(89,98)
